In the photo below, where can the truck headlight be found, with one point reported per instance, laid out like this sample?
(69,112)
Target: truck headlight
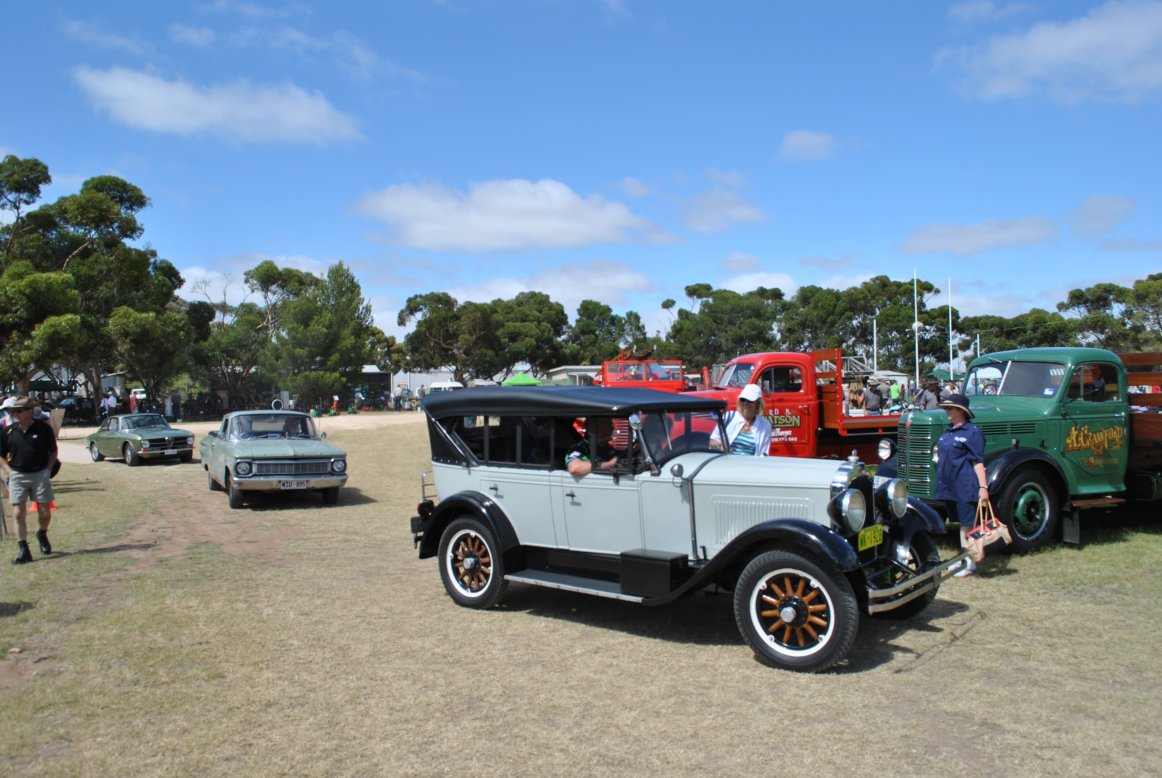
(885,449)
(338,465)
(853,509)
(243,468)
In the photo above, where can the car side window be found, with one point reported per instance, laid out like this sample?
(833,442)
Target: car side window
(113,425)
(783,378)
(1094,382)
(525,441)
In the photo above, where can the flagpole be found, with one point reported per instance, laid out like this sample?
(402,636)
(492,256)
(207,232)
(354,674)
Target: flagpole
(916,325)
(951,377)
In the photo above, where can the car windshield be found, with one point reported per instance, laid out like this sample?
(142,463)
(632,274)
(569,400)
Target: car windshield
(666,433)
(1022,379)
(143,421)
(273,426)
(738,374)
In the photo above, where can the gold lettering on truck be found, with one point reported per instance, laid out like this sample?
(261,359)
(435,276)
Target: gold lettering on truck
(1099,442)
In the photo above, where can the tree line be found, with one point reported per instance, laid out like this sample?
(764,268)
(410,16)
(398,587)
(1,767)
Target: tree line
(77,293)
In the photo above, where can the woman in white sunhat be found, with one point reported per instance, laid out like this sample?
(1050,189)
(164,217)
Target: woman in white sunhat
(960,475)
(747,431)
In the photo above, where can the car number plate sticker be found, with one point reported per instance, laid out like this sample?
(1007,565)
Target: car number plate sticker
(879,480)
(870,537)
(292,484)
(169,452)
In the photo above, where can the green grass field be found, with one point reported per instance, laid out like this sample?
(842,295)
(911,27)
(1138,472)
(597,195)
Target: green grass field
(173,636)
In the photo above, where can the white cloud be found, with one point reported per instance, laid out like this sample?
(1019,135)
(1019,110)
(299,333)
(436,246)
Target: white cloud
(1112,53)
(634,188)
(1100,214)
(748,282)
(719,209)
(199,37)
(805,144)
(731,178)
(986,11)
(1131,244)
(604,280)
(238,111)
(740,262)
(499,215)
(85,32)
(962,240)
(831,263)
(844,281)
(212,285)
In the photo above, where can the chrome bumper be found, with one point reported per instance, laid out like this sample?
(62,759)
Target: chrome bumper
(275,483)
(908,590)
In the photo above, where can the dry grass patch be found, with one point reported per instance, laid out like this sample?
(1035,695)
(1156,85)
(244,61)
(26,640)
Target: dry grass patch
(178,636)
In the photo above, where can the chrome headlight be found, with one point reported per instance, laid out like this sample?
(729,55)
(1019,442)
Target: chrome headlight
(897,493)
(243,468)
(190,440)
(885,449)
(338,465)
(853,509)
(144,444)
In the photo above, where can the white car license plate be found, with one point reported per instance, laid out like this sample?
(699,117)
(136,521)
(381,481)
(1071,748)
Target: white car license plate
(169,452)
(879,481)
(292,484)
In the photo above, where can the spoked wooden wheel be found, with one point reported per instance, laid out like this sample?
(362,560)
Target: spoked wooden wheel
(794,613)
(472,571)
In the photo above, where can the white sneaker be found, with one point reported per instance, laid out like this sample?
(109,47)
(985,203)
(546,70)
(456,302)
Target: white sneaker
(966,569)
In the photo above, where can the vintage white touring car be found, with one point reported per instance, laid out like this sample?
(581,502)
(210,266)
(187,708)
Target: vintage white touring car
(806,545)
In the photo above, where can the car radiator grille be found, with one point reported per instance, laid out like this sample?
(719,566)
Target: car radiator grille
(298,467)
(914,462)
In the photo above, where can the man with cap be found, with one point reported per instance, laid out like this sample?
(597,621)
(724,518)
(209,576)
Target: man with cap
(747,431)
(28,452)
(873,401)
(960,474)
(929,397)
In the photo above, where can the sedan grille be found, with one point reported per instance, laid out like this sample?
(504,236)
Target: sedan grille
(293,467)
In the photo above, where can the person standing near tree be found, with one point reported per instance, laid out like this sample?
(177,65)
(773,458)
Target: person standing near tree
(28,452)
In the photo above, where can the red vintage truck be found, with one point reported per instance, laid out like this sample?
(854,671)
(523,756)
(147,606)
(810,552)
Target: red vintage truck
(640,369)
(806,398)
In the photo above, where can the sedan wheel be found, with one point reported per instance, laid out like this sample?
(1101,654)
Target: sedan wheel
(95,453)
(793,613)
(131,457)
(234,494)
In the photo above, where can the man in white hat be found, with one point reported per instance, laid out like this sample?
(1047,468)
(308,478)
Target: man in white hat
(28,452)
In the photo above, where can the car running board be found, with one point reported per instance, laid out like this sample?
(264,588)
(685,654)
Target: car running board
(573,583)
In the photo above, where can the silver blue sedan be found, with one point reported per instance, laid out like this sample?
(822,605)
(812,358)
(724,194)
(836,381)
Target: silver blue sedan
(271,451)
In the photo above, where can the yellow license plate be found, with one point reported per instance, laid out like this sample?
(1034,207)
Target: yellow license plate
(870,537)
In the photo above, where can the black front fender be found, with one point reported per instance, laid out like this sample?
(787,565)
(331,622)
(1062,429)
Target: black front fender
(1004,465)
(819,540)
(921,516)
(466,504)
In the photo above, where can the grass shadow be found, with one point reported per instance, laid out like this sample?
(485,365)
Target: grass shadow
(8,609)
(104,550)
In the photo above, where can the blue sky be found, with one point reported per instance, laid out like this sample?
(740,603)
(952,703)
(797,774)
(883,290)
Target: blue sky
(616,150)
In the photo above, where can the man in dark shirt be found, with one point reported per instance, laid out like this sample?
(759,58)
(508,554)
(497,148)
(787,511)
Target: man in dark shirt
(579,461)
(28,452)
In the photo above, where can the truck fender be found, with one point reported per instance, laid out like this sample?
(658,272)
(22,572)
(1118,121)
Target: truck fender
(815,538)
(1002,467)
(473,504)
(888,468)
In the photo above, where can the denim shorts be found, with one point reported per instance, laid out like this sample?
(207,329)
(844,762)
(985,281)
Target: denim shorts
(23,487)
(964,512)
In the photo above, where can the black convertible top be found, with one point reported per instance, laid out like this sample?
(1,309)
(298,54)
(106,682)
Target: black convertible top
(560,401)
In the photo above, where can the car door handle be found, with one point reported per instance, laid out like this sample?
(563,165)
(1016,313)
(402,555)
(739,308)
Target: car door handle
(570,495)
(494,488)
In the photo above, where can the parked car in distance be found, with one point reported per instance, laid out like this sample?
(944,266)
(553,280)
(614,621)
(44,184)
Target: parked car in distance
(78,410)
(271,451)
(444,386)
(137,436)
(805,545)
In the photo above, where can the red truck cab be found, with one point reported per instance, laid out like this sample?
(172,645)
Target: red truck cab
(805,398)
(640,369)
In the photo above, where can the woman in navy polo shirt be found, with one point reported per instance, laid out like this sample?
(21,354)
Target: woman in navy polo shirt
(960,476)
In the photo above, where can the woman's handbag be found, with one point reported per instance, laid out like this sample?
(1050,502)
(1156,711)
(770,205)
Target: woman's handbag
(987,530)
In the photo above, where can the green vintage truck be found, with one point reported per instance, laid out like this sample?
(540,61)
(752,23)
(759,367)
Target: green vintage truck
(1066,429)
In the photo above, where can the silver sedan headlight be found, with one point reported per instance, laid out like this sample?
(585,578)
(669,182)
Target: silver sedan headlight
(897,493)
(338,465)
(243,468)
(190,440)
(853,509)
(885,449)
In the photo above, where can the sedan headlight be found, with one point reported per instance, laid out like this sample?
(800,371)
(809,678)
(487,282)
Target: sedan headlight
(144,444)
(190,440)
(339,465)
(243,468)
(897,493)
(853,509)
